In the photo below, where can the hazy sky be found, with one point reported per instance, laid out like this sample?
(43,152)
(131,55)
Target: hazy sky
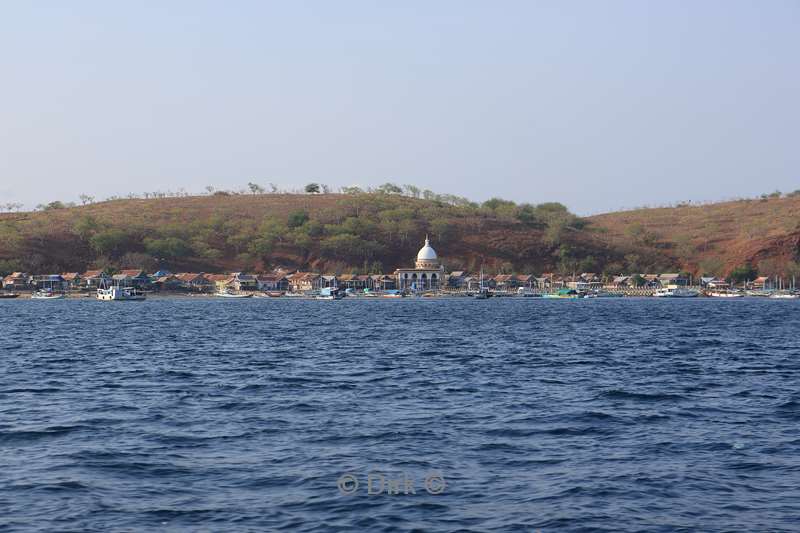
(597,104)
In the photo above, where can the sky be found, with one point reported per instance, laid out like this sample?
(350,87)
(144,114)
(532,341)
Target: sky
(598,105)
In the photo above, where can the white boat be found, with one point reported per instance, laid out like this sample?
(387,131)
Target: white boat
(784,296)
(228,294)
(758,293)
(329,293)
(121,294)
(675,292)
(483,291)
(726,294)
(47,294)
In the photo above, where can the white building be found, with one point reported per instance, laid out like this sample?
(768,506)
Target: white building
(427,274)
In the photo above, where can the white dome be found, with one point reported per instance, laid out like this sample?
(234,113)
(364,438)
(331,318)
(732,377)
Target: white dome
(427,253)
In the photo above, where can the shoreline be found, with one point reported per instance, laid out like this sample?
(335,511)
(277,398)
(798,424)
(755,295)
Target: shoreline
(379,296)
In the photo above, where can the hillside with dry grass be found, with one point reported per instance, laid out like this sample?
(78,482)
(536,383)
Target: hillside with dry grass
(715,238)
(374,232)
(365,232)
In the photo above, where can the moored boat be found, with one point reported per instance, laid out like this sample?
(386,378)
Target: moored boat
(392,294)
(725,294)
(607,294)
(329,293)
(8,295)
(526,292)
(120,294)
(47,294)
(231,294)
(483,291)
(759,293)
(785,296)
(563,294)
(676,292)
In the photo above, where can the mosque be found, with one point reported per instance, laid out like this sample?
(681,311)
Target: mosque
(427,274)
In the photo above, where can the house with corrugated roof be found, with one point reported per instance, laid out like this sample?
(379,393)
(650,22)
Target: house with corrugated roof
(241,281)
(196,282)
(525,280)
(93,279)
(131,278)
(456,279)
(303,281)
(650,281)
(73,280)
(167,283)
(473,282)
(49,281)
(505,282)
(272,282)
(382,282)
(17,281)
(621,282)
(673,280)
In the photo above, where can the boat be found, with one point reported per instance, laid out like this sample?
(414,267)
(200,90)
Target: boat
(526,292)
(8,295)
(608,294)
(120,294)
(483,291)
(47,294)
(758,293)
(725,294)
(329,293)
(785,296)
(295,295)
(392,294)
(231,294)
(563,294)
(676,292)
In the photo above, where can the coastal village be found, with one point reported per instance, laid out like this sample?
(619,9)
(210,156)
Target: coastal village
(427,277)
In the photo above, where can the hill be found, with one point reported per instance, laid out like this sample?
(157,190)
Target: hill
(715,238)
(373,232)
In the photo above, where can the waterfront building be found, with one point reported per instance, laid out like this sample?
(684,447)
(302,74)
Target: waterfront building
(505,282)
(49,281)
(303,281)
(93,279)
(672,280)
(168,282)
(240,281)
(761,283)
(328,281)
(525,280)
(131,278)
(427,274)
(621,282)
(197,282)
(72,280)
(382,282)
(272,282)
(651,281)
(220,281)
(16,281)
(456,279)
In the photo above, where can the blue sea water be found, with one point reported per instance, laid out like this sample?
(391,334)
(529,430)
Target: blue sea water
(500,415)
